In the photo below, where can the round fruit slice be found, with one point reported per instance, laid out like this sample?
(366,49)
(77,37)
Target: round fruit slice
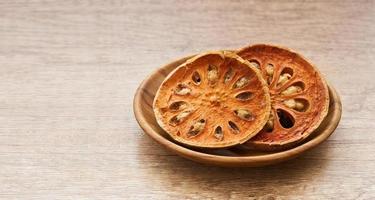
(299,96)
(213,100)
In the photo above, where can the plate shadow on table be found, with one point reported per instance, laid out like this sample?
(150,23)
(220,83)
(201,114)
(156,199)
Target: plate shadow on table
(287,178)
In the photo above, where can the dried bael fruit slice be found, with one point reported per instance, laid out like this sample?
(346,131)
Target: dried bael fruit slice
(299,96)
(213,100)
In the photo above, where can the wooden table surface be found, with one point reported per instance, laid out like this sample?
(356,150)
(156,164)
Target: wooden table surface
(69,71)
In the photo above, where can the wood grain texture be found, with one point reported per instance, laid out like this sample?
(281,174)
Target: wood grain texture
(69,70)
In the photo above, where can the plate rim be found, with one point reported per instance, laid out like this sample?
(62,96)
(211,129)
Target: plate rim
(232,161)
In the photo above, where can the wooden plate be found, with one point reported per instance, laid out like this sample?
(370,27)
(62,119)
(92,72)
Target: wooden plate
(233,157)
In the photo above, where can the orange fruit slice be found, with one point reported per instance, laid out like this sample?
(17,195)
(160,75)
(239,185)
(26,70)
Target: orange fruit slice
(299,96)
(213,100)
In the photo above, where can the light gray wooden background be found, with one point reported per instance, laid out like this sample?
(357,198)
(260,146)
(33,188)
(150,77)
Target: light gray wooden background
(69,70)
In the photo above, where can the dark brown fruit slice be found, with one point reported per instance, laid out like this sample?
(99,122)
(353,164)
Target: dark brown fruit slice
(299,96)
(213,100)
